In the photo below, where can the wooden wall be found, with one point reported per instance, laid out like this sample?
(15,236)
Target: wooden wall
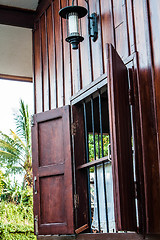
(59,72)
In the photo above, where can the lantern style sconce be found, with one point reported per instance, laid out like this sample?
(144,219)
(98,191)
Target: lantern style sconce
(72,14)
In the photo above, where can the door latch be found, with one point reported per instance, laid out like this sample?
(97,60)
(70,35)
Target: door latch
(36,224)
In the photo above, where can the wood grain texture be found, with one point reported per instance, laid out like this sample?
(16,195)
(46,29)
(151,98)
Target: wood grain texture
(120,130)
(52,166)
(148,120)
(37,68)
(81,213)
(131,26)
(15,78)
(108,236)
(16,17)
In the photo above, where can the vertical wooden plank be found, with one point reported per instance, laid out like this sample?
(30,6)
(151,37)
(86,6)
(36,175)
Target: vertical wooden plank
(97,53)
(147,117)
(59,50)
(130,20)
(67,62)
(154,9)
(107,27)
(118,12)
(38,69)
(76,67)
(85,52)
(120,28)
(34,82)
(52,57)
(44,62)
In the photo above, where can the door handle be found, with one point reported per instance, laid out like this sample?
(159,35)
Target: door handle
(34,185)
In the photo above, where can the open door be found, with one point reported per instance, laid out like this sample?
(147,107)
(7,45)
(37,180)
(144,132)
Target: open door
(52,172)
(121,145)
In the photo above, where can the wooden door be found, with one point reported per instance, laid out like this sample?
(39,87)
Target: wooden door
(52,172)
(121,146)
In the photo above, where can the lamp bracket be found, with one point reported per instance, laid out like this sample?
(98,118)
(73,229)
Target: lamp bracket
(93,26)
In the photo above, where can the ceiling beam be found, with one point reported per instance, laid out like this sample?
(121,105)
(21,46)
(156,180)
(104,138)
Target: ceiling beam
(15,78)
(16,17)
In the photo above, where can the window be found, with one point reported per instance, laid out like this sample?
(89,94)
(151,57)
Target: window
(98,161)
(67,191)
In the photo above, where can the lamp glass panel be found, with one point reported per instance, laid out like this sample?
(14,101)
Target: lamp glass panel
(73,24)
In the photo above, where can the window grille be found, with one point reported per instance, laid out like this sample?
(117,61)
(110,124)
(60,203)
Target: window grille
(98,162)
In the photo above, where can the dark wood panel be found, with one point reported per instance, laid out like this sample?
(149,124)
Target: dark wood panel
(121,148)
(38,70)
(53,200)
(50,170)
(108,30)
(154,7)
(67,60)
(86,59)
(50,134)
(42,7)
(81,179)
(147,117)
(97,52)
(51,58)
(59,55)
(16,17)
(44,50)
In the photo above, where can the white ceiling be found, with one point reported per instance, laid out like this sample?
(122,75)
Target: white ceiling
(26,4)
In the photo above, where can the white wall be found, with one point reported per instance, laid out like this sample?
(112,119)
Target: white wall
(15,51)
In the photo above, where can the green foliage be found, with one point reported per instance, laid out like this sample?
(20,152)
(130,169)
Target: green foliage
(16,202)
(98,146)
(15,149)
(16,218)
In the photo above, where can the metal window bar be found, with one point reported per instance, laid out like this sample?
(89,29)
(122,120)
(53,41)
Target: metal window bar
(98,147)
(95,163)
(97,195)
(87,160)
(100,119)
(104,179)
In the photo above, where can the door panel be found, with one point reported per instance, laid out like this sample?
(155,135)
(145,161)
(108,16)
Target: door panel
(52,172)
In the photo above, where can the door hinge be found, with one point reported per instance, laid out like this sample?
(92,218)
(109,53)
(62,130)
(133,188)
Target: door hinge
(130,95)
(74,126)
(36,224)
(32,120)
(76,201)
(136,189)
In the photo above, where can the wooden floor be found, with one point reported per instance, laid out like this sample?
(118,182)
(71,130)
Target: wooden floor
(108,236)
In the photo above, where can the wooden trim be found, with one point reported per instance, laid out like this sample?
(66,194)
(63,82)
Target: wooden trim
(42,7)
(94,162)
(15,78)
(16,17)
(89,89)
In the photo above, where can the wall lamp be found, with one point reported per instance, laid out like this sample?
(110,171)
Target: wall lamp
(72,14)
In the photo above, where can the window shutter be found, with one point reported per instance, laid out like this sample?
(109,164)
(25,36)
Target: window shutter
(81,211)
(52,172)
(121,147)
